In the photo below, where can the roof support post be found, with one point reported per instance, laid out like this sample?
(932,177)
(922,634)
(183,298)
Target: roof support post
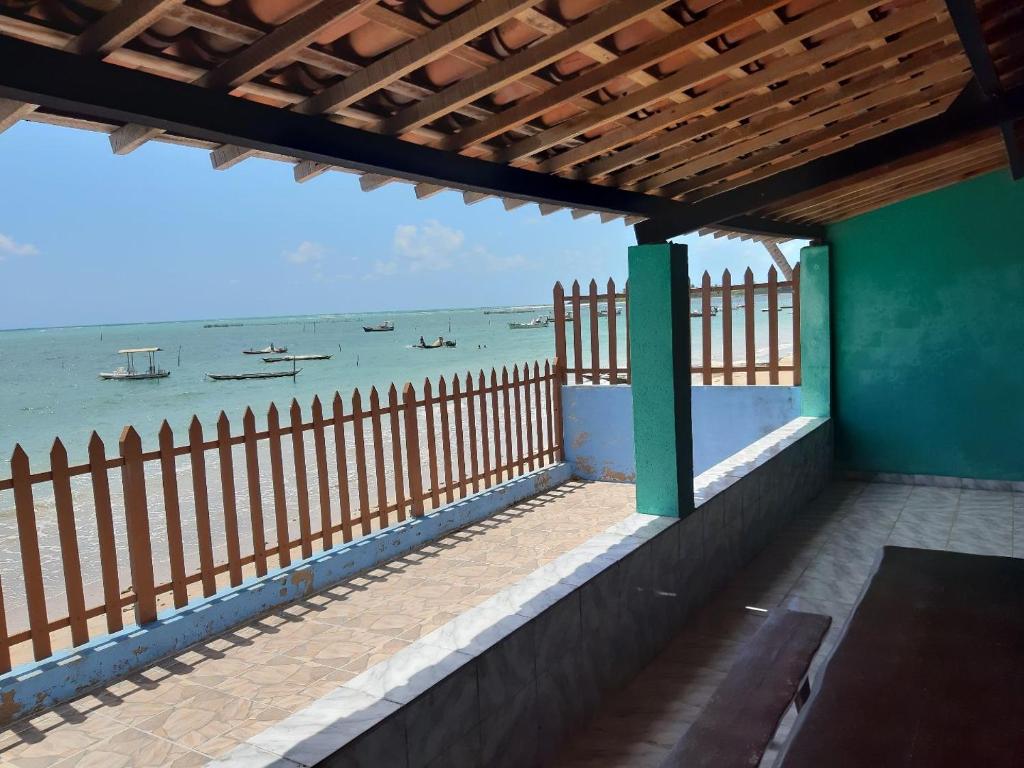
(816,331)
(659,348)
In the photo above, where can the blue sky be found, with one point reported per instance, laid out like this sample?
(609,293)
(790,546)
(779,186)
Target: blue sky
(90,238)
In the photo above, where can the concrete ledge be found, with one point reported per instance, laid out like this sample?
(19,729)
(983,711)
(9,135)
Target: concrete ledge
(45,684)
(504,683)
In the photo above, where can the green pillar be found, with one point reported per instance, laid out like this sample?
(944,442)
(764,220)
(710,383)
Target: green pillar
(815,331)
(659,348)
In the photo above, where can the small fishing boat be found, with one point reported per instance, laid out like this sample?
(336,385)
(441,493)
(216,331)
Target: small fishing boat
(439,343)
(294,358)
(604,312)
(271,350)
(568,317)
(262,375)
(387,325)
(538,322)
(129,372)
(714,313)
(765,309)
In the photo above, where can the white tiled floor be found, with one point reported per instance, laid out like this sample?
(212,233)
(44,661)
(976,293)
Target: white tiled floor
(819,563)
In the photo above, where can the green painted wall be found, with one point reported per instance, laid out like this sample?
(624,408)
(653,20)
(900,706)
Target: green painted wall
(928,323)
(659,350)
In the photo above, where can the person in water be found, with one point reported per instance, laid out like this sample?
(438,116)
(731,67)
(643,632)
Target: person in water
(422,342)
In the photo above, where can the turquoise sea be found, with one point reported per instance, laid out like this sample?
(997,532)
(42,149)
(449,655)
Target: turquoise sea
(49,384)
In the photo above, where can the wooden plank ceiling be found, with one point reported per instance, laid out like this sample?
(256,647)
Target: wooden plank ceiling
(680,99)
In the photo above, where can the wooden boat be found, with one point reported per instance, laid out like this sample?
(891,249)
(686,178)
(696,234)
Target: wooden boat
(294,358)
(714,313)
(439,343)
(538,322)
(604,312)
(271,350)
(130,373)
(387,325)
(262,375)
(568,317)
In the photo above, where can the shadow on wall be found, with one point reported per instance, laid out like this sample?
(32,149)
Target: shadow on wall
(598,425)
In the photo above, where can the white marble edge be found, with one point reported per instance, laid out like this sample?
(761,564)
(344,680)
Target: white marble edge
(937,481)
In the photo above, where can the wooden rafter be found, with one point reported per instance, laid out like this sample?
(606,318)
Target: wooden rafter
(600,24)
(106,34)
(798,87)
(693,74)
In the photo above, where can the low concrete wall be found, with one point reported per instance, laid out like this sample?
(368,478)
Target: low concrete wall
(44,684)
(504,683)
(598,425)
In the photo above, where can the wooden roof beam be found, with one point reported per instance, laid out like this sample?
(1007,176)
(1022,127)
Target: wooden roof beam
(845,134)
(106,34)
(735,13)
(602,23)
(666,143)
(692,74)
(968,26)
(400,62)
(305,170)
(811,116)
(266,51)
(966,117)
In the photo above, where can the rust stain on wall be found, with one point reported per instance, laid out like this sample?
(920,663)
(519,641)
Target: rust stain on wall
(9,708)
(302,580)
(615,476)
(580,440)
(584,466)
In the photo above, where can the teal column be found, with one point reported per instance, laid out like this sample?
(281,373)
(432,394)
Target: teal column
(815,331)
(659,352)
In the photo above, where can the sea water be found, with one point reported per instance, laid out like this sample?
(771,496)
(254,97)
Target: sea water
(49,383)
(49,387)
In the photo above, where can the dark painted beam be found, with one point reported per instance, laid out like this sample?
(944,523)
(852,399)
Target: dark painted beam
(965,18)
(83,86)
(758,225)
(966,117)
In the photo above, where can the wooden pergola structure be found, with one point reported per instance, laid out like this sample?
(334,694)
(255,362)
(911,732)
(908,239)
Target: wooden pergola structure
(753,118)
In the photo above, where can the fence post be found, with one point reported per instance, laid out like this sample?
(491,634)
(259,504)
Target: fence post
(559,302)
(28,540)
(556,407)
(412,449)
(68,535)
(136,513)
(5,647)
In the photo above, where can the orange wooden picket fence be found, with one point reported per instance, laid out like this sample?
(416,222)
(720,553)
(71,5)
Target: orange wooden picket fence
(460,436)
(597,355)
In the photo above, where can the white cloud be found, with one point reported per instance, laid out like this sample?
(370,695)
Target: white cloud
(10,247)
(432,247)
(306,252)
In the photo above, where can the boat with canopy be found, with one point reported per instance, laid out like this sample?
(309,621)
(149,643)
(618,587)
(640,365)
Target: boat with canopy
(129,372)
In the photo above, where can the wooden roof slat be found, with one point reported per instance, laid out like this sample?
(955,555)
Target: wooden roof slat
(116,27)
(814,208)
(413,55)
(736,13)
(843,135)
(261,55)
(920,179)
(693,74)
(799,86)
(601,23)
(106,34)
(276,45)
(812,115)
(996,161)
